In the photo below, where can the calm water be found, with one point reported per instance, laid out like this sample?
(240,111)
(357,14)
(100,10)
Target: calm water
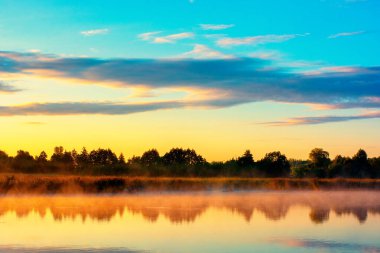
(209,222)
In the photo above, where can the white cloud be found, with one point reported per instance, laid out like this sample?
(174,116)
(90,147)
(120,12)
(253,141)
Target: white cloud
(148,35)
(345,34)
(95,32)
(323,119)
(173,37)
(203,52)
(256,40)
(215,27)
(151,36)
(35,51)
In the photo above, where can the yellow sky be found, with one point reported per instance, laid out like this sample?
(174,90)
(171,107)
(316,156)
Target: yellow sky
(217,134)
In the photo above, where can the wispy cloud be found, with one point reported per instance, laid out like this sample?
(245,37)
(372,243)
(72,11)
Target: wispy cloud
(34,50)
(5,87)
(152,36)
(256,40)
(79,108)
(173,37)
(215,26)
(36,123)
(323,119)
(203,52)
(345,34)
(94,32)
(148,35)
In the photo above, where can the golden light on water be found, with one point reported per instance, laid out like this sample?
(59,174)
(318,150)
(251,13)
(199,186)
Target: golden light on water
(174,223)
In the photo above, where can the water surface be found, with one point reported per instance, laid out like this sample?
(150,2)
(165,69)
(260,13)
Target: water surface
(318,221)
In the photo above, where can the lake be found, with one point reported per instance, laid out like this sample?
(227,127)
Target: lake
(261,221)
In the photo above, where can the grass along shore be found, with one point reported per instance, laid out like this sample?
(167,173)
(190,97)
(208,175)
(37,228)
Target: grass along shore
(64,184)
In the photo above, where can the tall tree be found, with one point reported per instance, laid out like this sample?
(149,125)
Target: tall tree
(150,158)
(320,161)
(360,165)
(275,164)
(246,160)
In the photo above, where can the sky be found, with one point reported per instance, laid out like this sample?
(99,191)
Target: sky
(216,76)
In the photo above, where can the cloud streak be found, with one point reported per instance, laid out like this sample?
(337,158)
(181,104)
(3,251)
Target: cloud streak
(95,32)
(257,40)
(215,27)
(172,38)
(345,34)
(323,119)
(80,108)
(6,88)
(203,52)
(148,35)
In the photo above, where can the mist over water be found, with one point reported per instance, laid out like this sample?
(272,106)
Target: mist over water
(289,221)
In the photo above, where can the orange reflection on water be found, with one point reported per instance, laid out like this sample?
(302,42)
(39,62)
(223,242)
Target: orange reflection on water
(179,208)
(175,222)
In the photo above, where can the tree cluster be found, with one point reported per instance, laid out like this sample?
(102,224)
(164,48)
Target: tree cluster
(320,165)
(179,162)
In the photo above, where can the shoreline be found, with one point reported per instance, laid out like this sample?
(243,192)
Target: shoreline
(19,184)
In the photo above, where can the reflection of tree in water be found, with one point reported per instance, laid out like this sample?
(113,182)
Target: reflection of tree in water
(361,213)
(319,216)
(187,208)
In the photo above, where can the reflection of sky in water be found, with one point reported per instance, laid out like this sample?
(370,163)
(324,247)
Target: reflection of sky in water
(233,222)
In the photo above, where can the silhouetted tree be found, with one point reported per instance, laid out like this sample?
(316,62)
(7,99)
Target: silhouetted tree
(74,154)
(183,161)
(103,157)
(186,162)
(3,156)
(319,157)
(299,168)
(42,162)
(275,164)
(42,158)
(179,156)
(104,161)
(58,153)
(246,160)
(4,161)
(150,158)
(63,160)
(319,162)
(83,157)
(134,160)
(151,163)
(375,166)
(121,159)
(24,162)
(360,165)
(339,167)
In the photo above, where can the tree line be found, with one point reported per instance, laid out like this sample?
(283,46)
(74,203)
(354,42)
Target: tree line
(179,162)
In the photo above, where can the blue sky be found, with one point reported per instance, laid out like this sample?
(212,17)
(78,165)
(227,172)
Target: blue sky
(260,64)
(55,26)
